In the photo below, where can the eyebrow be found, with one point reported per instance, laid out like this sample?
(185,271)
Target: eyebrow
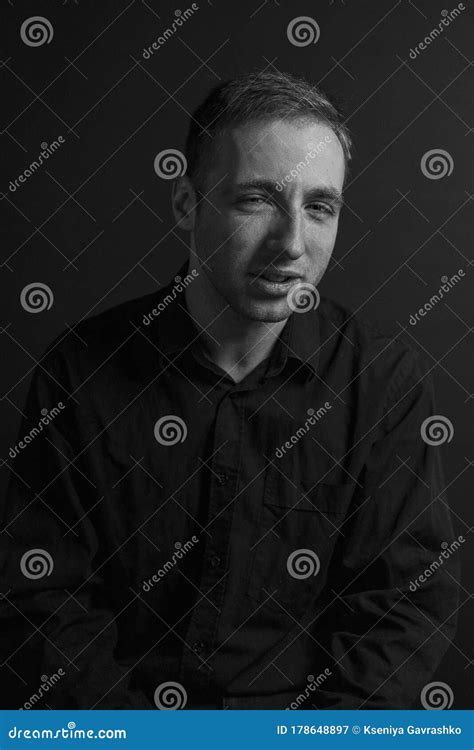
(268,186)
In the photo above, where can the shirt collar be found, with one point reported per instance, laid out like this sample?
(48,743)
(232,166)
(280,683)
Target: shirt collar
(173,330)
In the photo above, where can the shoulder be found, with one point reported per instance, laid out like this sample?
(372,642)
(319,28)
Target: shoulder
(90,343)
(384,352)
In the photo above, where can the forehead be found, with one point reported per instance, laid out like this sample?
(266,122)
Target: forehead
(272,149)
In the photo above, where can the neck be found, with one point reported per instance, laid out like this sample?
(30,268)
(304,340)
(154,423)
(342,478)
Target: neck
(234,342)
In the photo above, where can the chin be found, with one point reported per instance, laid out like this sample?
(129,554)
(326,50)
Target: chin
(265,312)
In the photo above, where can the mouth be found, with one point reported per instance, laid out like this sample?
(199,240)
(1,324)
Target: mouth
(273,283)
(277,277)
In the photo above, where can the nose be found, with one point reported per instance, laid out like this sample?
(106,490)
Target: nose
(286,238)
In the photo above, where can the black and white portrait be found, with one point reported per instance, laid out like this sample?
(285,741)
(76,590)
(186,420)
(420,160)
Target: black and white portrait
(236,330)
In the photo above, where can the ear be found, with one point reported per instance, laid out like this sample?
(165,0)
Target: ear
(184,201)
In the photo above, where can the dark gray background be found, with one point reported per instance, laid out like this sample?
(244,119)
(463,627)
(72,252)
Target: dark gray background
(95,224)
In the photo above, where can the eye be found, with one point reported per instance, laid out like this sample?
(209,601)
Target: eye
(253,200)
(322,208)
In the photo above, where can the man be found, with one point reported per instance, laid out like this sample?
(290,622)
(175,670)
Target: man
(233,503)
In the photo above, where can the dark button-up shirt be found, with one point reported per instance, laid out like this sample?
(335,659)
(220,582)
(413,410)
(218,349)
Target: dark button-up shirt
(256,544)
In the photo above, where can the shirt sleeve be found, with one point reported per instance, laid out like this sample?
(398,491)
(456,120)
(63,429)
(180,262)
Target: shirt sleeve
(395,571)
(49,575)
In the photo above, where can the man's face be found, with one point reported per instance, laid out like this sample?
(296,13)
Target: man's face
(273,205)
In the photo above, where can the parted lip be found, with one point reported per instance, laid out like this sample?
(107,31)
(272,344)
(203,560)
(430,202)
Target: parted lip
(277,272)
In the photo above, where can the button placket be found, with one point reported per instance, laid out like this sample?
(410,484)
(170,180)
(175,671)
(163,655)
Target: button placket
(205,615)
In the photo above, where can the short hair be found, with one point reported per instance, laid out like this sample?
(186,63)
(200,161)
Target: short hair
(257,97)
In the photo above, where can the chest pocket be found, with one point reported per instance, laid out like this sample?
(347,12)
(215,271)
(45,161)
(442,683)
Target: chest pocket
(299,524)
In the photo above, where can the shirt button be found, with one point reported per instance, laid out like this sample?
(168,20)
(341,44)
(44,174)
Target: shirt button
(222,478)
(215,561)
(199,646)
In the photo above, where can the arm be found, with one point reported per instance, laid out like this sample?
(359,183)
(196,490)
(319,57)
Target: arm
(389,630)
(46,509)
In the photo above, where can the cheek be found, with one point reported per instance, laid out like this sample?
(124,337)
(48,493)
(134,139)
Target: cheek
(237,236)
(322,235)
(248,227)
(319,246)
